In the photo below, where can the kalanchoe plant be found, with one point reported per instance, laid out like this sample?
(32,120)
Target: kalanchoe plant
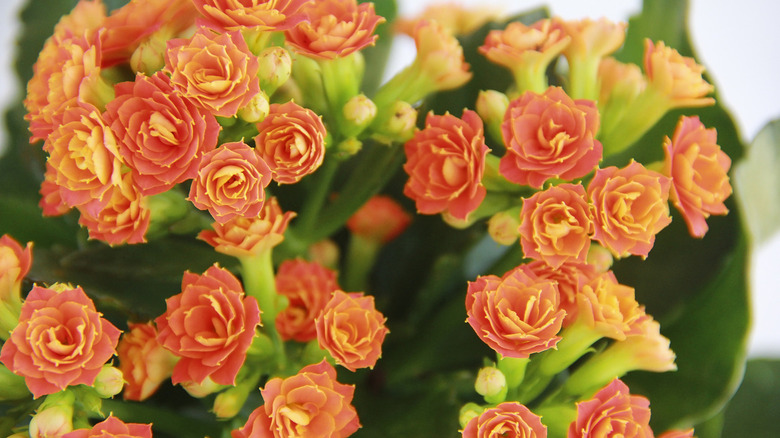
(225,185)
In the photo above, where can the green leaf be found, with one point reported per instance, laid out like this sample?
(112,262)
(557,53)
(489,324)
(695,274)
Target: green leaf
(753,410)
(757,184)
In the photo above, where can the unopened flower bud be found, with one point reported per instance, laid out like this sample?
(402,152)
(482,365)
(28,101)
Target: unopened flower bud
(491,384)
(503,227)
(275,68)
(349,147)
(109,382)
(600,257)
(325,252)
(491,106)
(200,390)
(256,110)
(399,123)
(53,421)
(228,403)
(149,57)
(358,112)
(469,411)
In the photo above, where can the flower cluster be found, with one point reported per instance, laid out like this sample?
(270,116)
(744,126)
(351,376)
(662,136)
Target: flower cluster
(251,130)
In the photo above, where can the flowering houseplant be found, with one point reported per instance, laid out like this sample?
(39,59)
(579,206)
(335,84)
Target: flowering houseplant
(220,198)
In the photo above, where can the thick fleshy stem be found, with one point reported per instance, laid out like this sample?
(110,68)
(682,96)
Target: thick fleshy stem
(625,128)
(361,254)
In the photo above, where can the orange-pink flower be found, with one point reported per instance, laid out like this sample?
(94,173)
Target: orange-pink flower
(549,135)
(113,427)
(506,419)
(351,330)
(310,403)
(308,287)
(381,219)
(610,308)
(123,219)
(571,277)
(216,71)
(15,262)
(630,206)
(291,140)
(144,363)
(688,433)
(334,28)
(556,225)
(162,136)
(445,163)
(210,326)
(699,171)
(262,15)
(231,182)
(516,315)
(439,57)
(612,412)
(677,77)
(249,236)
(456,18)
(61,340)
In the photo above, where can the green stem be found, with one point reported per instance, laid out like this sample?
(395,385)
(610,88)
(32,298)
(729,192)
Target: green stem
(633,122)
(361,254)
(310,212)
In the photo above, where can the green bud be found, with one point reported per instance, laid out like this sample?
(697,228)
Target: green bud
(275,68)
(53,421)
(256,110)
(229,402)
(109,382)
(469,411)
(491,384)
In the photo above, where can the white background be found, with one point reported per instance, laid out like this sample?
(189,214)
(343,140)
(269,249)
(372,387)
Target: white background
(737,42)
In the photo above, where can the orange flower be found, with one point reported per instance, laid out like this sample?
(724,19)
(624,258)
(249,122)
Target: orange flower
(592,38)
(439,57)
(137,21)
(216,71)
(249,236)
(506,419)
(61,340)
(547,136)
(456,18)
(291,139)
(381,219)
(231,182)
(516,315)
(571,277)
(677,434)
(445,163)
(609,307)
(144,363)
(351,330)
(261,15)
(310,403)
(113,427)
(210,326)
(556,225)
(699,171)
(334,28)
(162,136)
(629,208)
(124,218)
(308,287)
(15,262)
(612,412)
(258,425)
(677,77)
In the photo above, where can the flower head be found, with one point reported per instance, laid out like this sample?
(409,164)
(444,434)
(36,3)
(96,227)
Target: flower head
(113,427)
(439,57)
(145,364)
(210,325)
(677,77)
(609,307)
(456,18)
(506,419)
(291,140)
(381,219)
(445,163)
(123,219)
(571,276)
(516,315)
(308,286)
(263,15)
(334,28)
(15,262)
(630,206)
(612,412)
(351,330)
(231,182)
(699,172)
(61,340)
(549,135)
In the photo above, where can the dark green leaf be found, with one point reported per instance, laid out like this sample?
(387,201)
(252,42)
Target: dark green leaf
(753,410)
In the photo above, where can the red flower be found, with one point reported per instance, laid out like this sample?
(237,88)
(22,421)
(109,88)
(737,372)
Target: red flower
(445,162)
(210,325)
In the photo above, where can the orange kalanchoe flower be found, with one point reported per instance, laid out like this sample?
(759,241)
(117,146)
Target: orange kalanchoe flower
(308,286)
(547,136)
(351,330)
(381,219)
(571,277)
(249,236)
(612,411)
(291,140)
(516,315)
(310,403)
(699,171)
(216,71)
(456,18)
(15,262)
(556,225)
(610,308)
(162,135)
(210,326)
(334,28)
(630,206)
(439,58)
(261,15)
(144,363)
(506,419)
(231,182)
(61,340)
(124,218)
(113,427)
(677,77)
(445,163)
